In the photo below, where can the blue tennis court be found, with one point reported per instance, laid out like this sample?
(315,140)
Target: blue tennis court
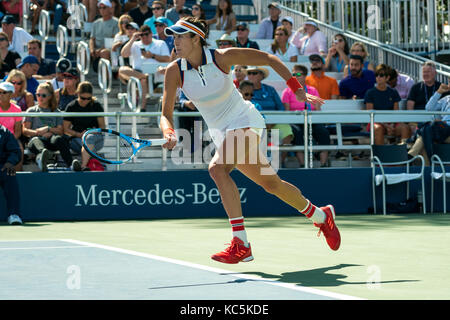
(71,269)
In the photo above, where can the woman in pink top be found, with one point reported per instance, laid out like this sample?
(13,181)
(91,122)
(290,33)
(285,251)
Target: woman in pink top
(319,132)
(13,124)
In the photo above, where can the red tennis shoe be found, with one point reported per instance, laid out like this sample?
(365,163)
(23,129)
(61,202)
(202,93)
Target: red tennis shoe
(329,228)
(235,253)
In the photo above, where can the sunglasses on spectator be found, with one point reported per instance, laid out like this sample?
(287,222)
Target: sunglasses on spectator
(195,8)
(225,43)
(42,95)
(247,94)
(144,34)
(101,8)
(241,29)
(85,98)
(19,83)
(125,22)
(4,92)
(3,39)
(159,25)
(380,75)
(156,8)
(279,34)
(298,74)
(252,73)
(338,40)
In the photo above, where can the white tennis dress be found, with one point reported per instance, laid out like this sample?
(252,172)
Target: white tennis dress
(214,94)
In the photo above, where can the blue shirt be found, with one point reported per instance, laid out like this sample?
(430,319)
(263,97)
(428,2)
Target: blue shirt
(268,98)
(168,41)
(352,86)
(438,104)
(382,100)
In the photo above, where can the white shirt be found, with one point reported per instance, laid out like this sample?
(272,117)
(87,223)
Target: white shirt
(292,51)
(19,41)
(158,47)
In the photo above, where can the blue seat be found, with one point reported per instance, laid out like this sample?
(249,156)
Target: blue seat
(245,5)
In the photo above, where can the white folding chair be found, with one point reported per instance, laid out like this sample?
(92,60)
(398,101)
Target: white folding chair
(440,159)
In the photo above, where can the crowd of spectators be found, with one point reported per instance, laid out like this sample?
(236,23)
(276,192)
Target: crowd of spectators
(137,32)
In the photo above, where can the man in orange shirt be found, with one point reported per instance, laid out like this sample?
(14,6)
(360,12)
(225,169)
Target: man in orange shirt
(328,87)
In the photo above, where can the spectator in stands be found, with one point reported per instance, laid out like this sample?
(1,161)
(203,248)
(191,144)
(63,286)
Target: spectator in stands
(21,97)
(46,133)
(14,8)
(421,92)
(268,25)
(9,59)
(186,12)
(400,82)
(91,7)
(129,5)
(246,88)
(437,131)
(225,41)
(103,28)
(225,18)
(160,24)
(10,156)
(240,73)
(242,40)
(280,47)
(30,66)
(268,99)
(142,47)
(68,93)
(75,127)
(198,11)
(62,65)
(319,132)
(13,124)
(49,5)
(17,36)
(312,41)
(158,9)
(360,49)
(126,28)
(288,23)
(173,14)
(358,82)
(327,87)
(141,13)
(47,67)
(382,97)
(116,8)
(337,57)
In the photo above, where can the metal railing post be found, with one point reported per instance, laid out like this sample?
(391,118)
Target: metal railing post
(44,29)
(132,100)
(83,59)
(105,80)
(62,41)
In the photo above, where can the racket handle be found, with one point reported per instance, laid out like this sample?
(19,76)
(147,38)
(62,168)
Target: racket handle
(158,142)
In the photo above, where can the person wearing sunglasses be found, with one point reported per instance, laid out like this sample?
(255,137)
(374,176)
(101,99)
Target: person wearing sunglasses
(173,14)
(158,9)
(9,58)
(75,127)
(160,24)
(382,97)
(21,97)
(13,124)
(142,47)
(46,133)
(225,18)
(105,27)
(319,132)
(242,40)
(198,12)
(337,57)
(281,47)
(204,75)
(68,92)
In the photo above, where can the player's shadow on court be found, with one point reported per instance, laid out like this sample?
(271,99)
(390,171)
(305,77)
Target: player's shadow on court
(318,277)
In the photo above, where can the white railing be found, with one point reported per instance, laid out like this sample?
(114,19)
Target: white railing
(83,59)
(279,117)
(44,29)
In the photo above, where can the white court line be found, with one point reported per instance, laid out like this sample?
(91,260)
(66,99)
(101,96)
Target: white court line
(39,248)
(217,270)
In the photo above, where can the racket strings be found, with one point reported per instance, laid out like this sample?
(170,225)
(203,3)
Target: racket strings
(105,145)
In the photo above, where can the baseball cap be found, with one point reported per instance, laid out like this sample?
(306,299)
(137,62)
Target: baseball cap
(243,25)
(63,65)
(105,3)
(133,24)
(162,20)
(7,87)
(312,23)
(288,19)
(9,19)
(72,72)
(28,59)
(316,57)
(274,5)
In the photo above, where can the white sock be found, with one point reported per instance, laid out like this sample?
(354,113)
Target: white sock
(237,226)
(315,214)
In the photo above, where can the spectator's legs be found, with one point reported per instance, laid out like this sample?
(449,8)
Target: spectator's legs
(322,136)
(91,6)
(125,73)
(19,166)
(35,20)
(36,145)
(12,193)
(379,131)
(403,131)
(419,148)
(60,143)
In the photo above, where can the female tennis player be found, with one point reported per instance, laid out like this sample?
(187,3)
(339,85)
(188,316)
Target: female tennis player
(205,78)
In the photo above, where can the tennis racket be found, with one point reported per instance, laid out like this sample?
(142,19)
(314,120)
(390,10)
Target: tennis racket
(95,141)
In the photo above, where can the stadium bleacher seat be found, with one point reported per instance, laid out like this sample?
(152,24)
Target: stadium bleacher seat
(242,6)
